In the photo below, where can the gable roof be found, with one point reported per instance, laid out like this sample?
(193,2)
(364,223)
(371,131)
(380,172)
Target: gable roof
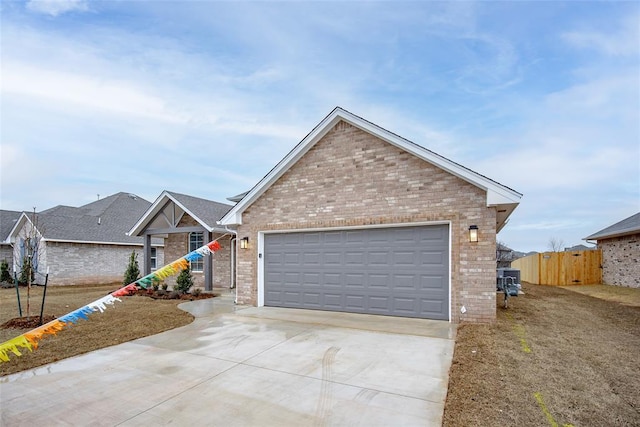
(104,221)
(625,227)
(498,195)
(8,220)
(206,212)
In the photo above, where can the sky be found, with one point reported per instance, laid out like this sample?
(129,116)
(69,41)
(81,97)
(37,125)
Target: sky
(204,98)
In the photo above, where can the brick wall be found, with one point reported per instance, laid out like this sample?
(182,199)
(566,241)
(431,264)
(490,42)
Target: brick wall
(177,245)
(621,261)
(351,178)
(83,264)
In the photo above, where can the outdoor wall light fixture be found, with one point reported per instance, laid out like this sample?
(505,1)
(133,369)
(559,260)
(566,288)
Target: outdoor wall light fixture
(244,243)
(473,233)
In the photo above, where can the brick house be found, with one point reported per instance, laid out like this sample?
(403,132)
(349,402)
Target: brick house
(82,245)
(620,245)
(185,223)
(358,219)
(8,220)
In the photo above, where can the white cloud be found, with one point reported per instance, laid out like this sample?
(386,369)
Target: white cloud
(625,41)
(86,92)
(57,7)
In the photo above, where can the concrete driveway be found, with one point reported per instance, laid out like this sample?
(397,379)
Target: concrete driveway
(237,366)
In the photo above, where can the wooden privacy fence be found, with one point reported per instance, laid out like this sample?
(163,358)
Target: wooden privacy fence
(561,268)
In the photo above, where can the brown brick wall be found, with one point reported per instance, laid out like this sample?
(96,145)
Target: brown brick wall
(621,261)
(351,178)
(177,245)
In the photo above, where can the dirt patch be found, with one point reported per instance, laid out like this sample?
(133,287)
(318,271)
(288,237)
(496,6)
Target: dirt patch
(27,322)
(554,356)
(134,317)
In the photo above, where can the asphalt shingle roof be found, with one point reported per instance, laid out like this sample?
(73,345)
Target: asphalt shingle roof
(629,225)
(207,211)
(106,220)
(7,222)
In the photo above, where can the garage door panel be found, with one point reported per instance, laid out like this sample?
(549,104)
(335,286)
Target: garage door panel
(432,258)
(332,237)
(379,281)
(333,301)
(354,303)
(332,279)
(354,259)
(401,271)
(332,258)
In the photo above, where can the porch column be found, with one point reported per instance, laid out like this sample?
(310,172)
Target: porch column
(147,254)
(208,265)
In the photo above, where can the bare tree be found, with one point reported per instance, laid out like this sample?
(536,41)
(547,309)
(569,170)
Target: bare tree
(504,255)
(556,245)
(29,253)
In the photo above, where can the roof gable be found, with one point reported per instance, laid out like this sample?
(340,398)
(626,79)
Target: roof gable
(206,212)
(498,195)
(625,227)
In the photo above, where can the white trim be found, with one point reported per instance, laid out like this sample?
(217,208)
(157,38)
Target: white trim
(261,255)
(497,194)
(91,242)
(156,208)
(260,261)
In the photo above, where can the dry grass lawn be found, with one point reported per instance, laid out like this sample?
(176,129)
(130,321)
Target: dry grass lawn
(134,317)
(555,357)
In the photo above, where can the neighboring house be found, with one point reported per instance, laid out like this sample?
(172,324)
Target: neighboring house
(186,223)
(8,220)
(579,248)
(84,245)
(504,256)
(358,219)
(620,245)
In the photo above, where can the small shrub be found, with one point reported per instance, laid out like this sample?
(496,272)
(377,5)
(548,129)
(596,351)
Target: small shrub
(164,286)
(5,276)
(162,292)
(155,283)
(196,292)
(184,281)
(132,273)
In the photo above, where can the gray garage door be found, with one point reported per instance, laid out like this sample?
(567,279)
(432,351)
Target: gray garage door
(401,271)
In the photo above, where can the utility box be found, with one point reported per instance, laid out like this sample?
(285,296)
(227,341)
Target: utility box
(508,280)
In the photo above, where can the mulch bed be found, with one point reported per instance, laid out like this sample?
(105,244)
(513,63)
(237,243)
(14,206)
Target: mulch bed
(27,322)
(171,295)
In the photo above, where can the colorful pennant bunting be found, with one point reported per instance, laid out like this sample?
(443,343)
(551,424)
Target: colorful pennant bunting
(29,340)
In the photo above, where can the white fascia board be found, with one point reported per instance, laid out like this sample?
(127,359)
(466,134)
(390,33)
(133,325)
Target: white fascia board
(17,226)
(191,214)
(497,194)
(234,216)
(150,213)
(156,207)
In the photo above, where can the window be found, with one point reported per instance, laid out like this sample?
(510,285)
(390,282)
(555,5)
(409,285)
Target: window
(154,258)
(195,241)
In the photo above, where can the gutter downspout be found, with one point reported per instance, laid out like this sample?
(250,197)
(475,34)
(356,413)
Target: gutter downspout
(235,260)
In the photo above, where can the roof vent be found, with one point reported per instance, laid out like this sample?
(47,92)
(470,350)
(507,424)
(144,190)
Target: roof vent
(99,220)
(133,196)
